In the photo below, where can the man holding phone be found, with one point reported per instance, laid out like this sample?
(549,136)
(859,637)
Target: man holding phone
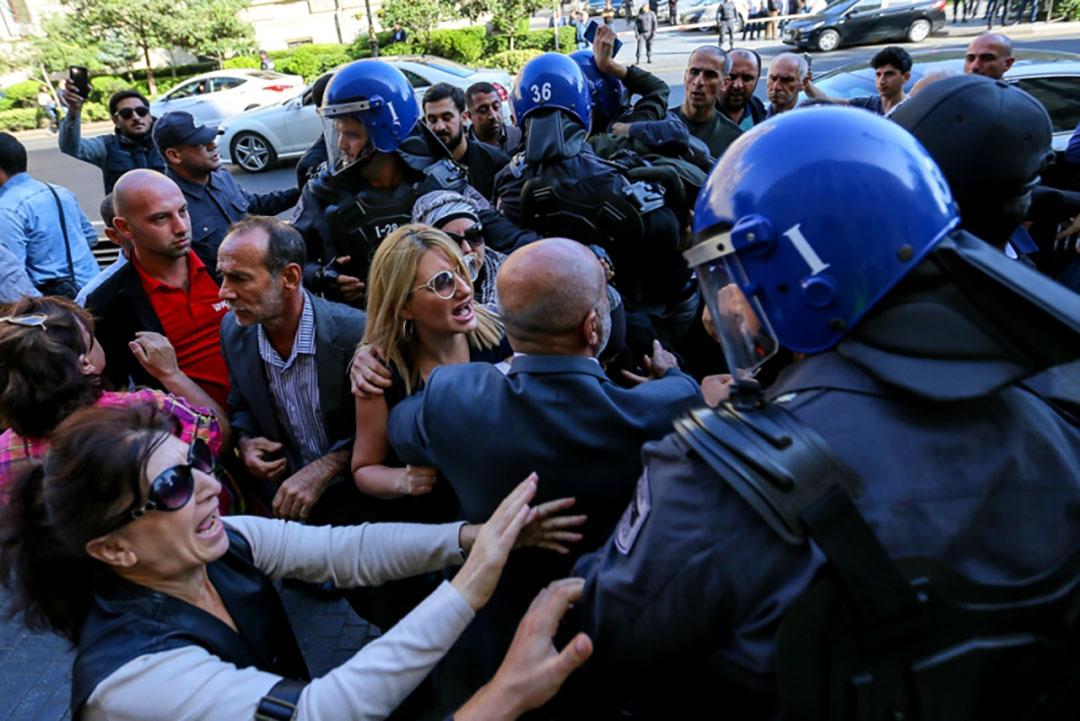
(129,146)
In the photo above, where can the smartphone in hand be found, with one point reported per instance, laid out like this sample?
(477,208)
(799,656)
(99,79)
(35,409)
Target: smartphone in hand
(590,36)
(80,77)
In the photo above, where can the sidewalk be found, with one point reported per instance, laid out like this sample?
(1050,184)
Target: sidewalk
(971,28)
(35,669)
(89,130)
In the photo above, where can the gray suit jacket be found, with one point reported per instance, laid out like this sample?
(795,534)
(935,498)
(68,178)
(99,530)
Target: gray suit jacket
(338,329)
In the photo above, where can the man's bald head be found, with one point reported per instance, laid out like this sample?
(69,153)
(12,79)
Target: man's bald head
(547,292)
(990,55)
(151,214)
(137,185)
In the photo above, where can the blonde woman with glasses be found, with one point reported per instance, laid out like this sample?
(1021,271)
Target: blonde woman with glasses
(421,314)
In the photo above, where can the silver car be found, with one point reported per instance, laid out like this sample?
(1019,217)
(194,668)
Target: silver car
(256,140)
(1052,77)
(219,95)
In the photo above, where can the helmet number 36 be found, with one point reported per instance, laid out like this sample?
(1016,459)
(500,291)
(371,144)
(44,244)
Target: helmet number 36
(541,93)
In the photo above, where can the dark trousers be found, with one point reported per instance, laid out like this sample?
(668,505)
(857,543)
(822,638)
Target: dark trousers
(645,40)
(753,26)
(994,8)
(726,26)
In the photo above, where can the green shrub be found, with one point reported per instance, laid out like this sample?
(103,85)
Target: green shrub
(465,45)
(361,48)
(104,86)
(92,111)
(18,119)
(242,61)
(311,61)
(532,40)
(23,95)
(510,60)
(405,48)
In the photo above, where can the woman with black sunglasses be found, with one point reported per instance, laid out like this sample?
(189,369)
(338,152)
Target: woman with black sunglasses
(51,365)
(116,543)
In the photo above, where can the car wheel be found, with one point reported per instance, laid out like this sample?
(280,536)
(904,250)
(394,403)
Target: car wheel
(253,152)
(828,40)
(919,30)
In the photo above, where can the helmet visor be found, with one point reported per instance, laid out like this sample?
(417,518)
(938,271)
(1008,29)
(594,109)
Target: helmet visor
(741,326)
(348,140)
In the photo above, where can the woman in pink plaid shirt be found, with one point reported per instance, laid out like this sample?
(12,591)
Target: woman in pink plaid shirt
(50,366)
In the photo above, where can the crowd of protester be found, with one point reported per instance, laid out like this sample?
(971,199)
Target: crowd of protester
(454,351)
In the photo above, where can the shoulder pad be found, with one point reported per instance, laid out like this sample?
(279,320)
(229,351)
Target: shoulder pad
(444,174)
(646,196)
(771,459)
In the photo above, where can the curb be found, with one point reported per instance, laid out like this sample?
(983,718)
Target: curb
(1037,29)
(88,130)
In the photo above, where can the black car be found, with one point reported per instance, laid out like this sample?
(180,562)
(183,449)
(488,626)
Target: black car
(853,22)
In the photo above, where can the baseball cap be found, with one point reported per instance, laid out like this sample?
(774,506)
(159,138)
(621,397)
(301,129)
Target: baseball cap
(179,128)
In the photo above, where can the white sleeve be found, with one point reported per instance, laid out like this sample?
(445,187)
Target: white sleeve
(366,555)
(190,683)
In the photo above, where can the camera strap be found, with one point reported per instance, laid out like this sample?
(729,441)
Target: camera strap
(63,228)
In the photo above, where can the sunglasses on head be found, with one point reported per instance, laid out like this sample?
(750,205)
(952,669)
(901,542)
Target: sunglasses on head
(125,113)
(172,488)
(26,321)
(444,283)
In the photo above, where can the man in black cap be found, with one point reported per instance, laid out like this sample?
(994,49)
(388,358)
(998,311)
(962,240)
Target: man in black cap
(215,200)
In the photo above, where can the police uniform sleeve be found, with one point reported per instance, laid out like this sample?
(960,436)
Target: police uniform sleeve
(654,94)
(653,587)
(690,569)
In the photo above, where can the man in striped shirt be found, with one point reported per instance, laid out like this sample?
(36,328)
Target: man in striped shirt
(288,354)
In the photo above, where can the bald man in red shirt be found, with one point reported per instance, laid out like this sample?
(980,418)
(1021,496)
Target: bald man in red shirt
(166,289)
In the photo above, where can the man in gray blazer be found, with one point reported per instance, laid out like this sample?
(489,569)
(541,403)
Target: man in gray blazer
(288,355)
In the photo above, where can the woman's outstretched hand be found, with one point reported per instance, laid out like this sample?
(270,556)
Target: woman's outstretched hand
(494,540)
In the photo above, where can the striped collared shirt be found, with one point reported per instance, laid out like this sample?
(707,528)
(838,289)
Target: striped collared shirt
(294,388)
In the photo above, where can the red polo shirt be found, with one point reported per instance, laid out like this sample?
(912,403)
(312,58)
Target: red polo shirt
(192,322)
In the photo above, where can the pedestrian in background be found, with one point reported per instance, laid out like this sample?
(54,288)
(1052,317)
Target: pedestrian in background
(725,23)
(645,31)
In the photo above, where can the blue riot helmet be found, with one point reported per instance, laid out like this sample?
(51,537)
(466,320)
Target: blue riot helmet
(552,80)
(608,94)
(807,221)
(376,95)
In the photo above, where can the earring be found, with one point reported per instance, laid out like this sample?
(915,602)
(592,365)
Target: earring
(406,330)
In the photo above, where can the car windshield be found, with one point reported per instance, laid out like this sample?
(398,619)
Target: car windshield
(449,66)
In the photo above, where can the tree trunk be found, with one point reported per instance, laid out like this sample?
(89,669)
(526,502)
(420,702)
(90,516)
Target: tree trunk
(150,84)
(373,40)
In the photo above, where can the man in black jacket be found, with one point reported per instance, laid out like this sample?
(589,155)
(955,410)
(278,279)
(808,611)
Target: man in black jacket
(737,100)
(165,289)
(215,200)
(443,108)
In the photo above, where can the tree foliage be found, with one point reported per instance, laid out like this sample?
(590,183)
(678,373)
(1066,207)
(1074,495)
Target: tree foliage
(418,17)
(213,28)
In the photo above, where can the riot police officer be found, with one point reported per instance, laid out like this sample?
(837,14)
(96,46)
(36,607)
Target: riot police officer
(831,232)
(379,157)
(558,186)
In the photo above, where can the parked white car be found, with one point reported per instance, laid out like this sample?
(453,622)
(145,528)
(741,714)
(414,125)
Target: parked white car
(222,94)
(256,140)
